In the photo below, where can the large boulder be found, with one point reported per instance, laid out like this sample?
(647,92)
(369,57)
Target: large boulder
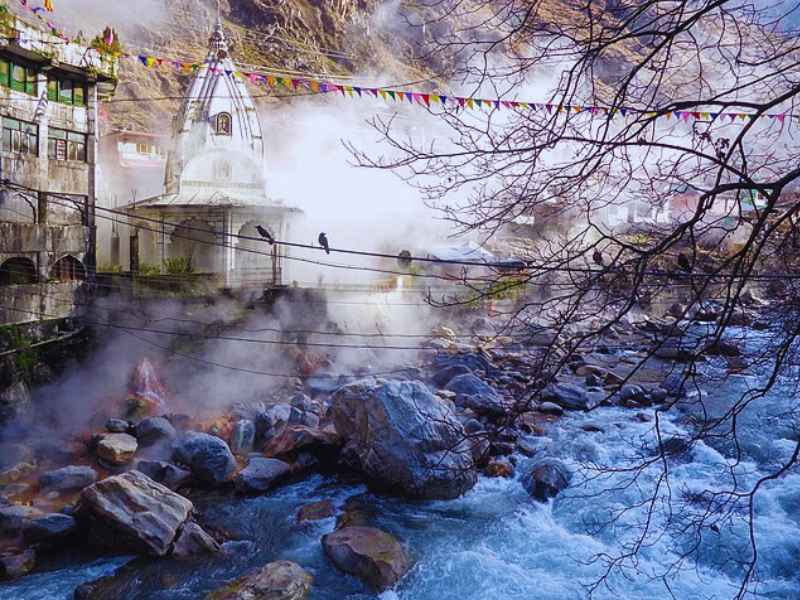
(405,439)
(281,580)
(569,396)
(116,449)
(154,430)
(546,479)
(473,392)
(67,479)
(133,513)
(368,553)
(207,457)
(261,474)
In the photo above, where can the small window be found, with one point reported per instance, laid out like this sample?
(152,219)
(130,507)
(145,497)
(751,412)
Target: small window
(224,124)
(66,145)
(65,92)
(20,137)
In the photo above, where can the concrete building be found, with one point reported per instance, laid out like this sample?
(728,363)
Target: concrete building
(132,168)
(49,92)
(215,188)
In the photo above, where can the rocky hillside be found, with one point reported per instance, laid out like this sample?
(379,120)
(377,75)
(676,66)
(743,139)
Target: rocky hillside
(311,37)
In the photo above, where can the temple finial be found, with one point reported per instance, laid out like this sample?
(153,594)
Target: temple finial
(218,43)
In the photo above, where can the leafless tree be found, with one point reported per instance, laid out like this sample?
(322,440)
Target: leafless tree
(636,150)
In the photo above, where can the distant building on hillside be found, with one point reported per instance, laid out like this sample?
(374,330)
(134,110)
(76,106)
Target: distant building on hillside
(215,189)
(49,93)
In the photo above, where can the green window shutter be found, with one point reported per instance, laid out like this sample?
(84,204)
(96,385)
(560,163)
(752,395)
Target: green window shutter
(30,82)
(52,89)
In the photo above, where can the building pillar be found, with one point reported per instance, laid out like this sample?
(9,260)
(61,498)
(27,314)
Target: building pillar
(91,194)
(42,208)
(134,251)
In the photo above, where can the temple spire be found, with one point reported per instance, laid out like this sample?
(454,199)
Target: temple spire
(218,45)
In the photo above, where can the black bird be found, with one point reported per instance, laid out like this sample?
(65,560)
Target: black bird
(265,234)
(597,257)
(323,241)
(683,262)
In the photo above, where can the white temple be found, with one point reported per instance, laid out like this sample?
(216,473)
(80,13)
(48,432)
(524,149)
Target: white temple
(215,190)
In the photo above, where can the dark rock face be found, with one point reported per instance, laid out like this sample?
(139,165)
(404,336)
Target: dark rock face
(131,512)
(405,439)
(474,362)
(547,479)
(261,475)
(165,473)
(473,392)
(68,479)
(568,396)
(281,580)
(368,553)
(207,457)
(154,430)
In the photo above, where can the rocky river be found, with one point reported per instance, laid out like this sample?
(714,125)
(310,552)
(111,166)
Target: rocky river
(434,509)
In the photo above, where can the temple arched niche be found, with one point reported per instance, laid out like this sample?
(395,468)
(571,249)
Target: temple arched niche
(256,260)
(68,269)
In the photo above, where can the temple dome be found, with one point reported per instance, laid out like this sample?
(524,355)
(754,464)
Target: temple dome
(219,148)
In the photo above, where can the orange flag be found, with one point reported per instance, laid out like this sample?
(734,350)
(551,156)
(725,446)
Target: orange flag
(48,5)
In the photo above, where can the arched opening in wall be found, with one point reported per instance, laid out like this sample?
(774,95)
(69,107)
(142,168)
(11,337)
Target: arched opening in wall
(68,269)
(194,247)
(224,124)
(18,271)
(256,261)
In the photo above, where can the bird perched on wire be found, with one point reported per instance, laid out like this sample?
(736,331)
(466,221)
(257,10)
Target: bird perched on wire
(323,241)
(597,257)
(265,234)
(683,262)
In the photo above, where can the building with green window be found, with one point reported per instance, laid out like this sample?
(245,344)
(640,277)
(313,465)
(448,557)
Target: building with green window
(49,94)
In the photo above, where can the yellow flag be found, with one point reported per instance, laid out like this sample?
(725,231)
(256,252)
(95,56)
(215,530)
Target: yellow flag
(435,98)
(470,103)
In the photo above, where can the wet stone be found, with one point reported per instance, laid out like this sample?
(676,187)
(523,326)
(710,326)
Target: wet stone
(116,448)
(68,479)
(316,511)
(17,565)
